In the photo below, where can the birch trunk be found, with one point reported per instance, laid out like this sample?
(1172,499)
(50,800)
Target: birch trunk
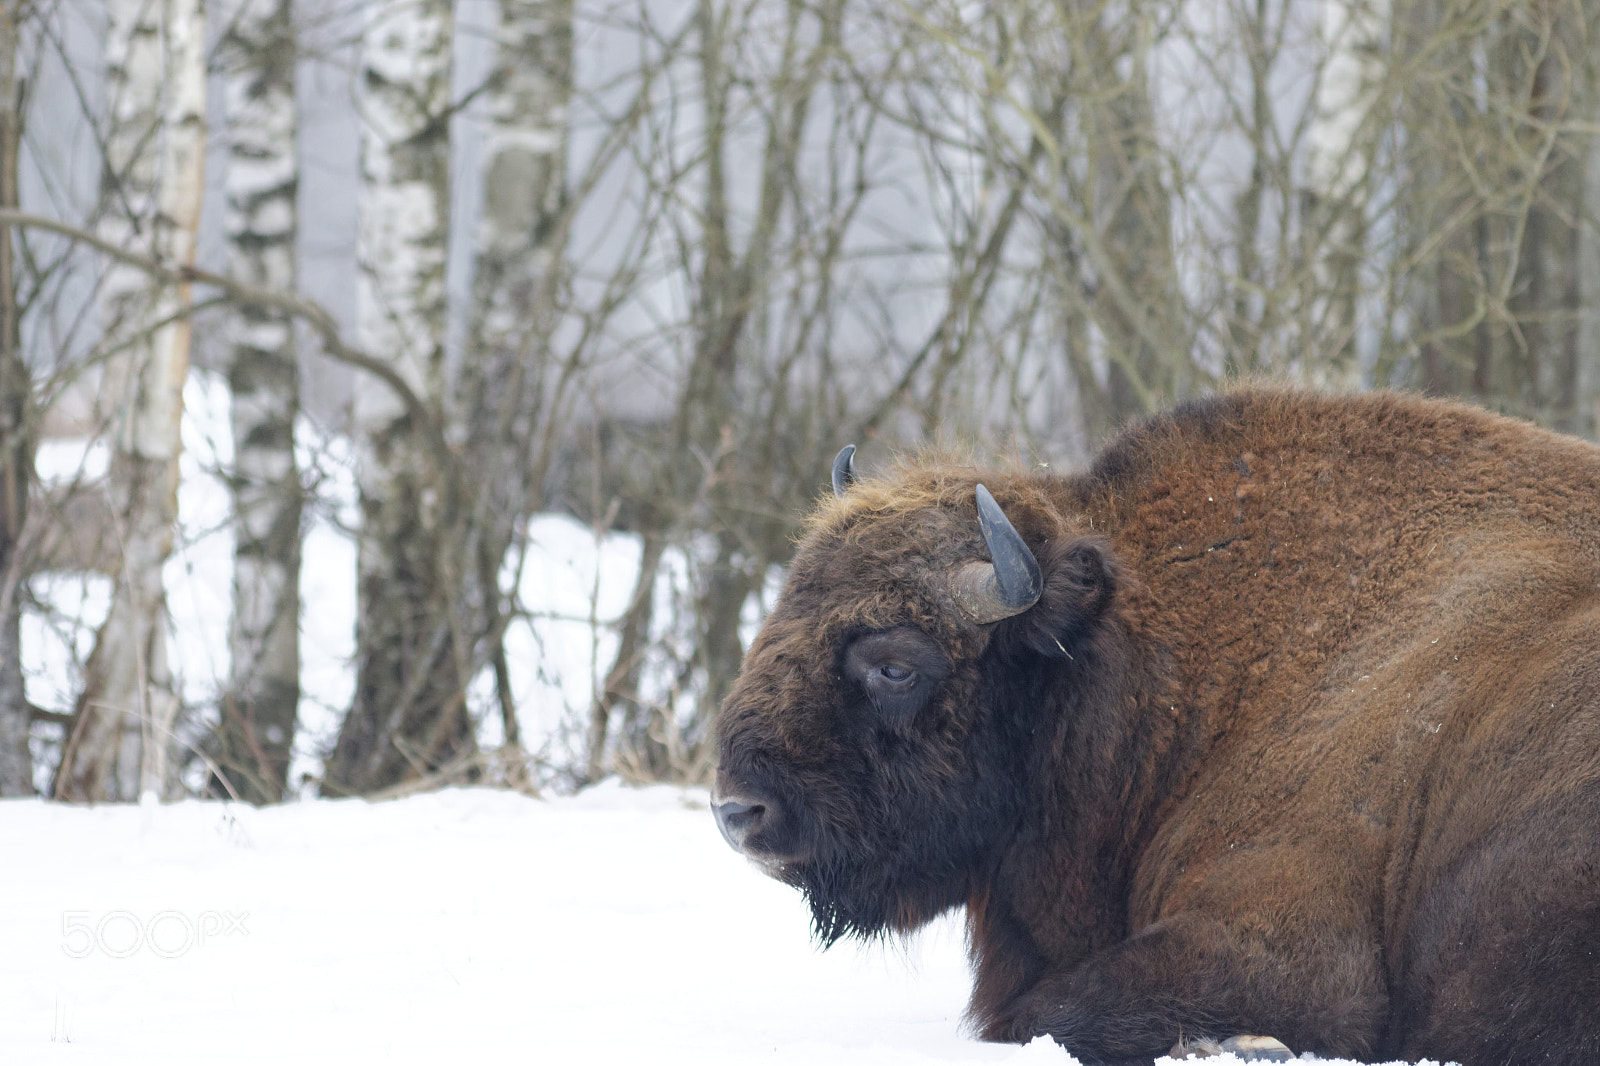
(256,731)
(436,530)
(118,744)
(16,437)
(409,715)
(520,243)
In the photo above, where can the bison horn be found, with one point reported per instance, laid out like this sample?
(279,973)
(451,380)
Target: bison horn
(1011,583)
(844,469)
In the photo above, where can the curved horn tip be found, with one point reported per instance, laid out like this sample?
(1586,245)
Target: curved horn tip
(1017,576)
(844,469)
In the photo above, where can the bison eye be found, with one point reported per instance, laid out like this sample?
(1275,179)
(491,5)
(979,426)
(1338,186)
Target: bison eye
(895,674)
(897,669)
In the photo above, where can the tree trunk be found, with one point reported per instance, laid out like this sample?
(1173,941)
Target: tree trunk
(1335,201)
(1114,260)
(719,649)
(256,731)
(436,528)
(118,744)
(1149,362)
(1588,400)
(620,690)
(16,437)
(409,717)
(1549,304)
(521,237)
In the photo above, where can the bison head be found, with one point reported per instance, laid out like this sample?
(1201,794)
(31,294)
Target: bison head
(874,751)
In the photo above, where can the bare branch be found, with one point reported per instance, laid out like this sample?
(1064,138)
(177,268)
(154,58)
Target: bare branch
(307,310)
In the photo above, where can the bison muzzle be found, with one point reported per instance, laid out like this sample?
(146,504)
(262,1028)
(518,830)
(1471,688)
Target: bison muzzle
(1283,718)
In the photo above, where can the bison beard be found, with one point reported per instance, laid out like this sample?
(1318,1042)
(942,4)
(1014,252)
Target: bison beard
(1283,718)
(847,896)
(836,916)
(866,884)
(839,908)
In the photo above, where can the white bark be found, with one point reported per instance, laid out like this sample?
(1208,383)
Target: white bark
(524,164)
(400,315)
(405,200)
(256,730)
(520,240)
(118,744)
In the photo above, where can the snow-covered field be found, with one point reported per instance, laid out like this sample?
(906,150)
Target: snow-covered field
(467,926)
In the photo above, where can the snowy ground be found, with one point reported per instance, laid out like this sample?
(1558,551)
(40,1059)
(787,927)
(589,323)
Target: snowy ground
(464,926)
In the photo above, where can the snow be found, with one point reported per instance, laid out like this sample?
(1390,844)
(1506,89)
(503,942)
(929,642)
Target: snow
(461,926)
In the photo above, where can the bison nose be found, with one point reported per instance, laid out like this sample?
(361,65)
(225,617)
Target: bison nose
(738,817)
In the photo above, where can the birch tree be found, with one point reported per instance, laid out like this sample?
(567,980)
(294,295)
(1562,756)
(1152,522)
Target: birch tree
(409,716)
(442,500)
(117,744)
(506,373)
(257,718)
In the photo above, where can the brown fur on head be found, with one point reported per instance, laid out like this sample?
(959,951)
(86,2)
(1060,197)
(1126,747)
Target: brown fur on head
(887,805)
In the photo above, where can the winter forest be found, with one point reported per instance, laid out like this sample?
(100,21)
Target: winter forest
(472,363)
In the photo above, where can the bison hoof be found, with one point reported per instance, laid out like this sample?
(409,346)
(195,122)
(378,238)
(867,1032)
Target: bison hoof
(1248,1048)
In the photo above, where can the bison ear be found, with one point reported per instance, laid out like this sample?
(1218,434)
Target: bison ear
(1080,581)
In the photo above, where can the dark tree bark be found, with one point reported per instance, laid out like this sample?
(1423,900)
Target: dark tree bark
(16,436)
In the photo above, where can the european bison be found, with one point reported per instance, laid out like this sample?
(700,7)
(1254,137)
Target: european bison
(1282,719)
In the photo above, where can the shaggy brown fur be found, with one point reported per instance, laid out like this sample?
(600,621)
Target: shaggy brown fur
(1302,738)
